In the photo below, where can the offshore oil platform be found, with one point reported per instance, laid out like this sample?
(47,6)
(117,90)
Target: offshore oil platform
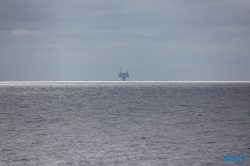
(123,75)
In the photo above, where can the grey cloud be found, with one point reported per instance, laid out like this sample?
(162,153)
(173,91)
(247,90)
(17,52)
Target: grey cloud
(78,40)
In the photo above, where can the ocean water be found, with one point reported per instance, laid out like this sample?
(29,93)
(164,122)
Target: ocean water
(123,123)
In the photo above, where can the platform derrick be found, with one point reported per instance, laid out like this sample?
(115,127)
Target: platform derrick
(123,75)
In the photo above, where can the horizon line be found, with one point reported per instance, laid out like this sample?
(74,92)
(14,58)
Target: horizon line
(127,81)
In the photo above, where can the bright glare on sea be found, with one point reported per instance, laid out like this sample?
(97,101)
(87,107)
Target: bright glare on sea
(123,123)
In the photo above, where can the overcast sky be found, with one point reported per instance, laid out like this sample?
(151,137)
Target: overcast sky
(155,40)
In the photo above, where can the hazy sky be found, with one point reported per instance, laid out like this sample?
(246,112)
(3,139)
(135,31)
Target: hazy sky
(155,40)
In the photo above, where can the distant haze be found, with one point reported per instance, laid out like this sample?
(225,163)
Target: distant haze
(155,40)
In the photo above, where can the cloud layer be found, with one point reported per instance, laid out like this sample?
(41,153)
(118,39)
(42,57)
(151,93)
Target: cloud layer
(154,40)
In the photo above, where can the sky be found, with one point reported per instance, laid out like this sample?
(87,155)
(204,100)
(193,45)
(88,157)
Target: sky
(154,40)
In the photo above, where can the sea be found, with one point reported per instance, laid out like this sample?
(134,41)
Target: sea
(124,123)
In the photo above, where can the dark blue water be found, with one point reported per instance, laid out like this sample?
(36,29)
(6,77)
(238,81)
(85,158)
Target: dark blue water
(123,123)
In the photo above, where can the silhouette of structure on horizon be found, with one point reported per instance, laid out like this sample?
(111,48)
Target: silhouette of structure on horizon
(123,75)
